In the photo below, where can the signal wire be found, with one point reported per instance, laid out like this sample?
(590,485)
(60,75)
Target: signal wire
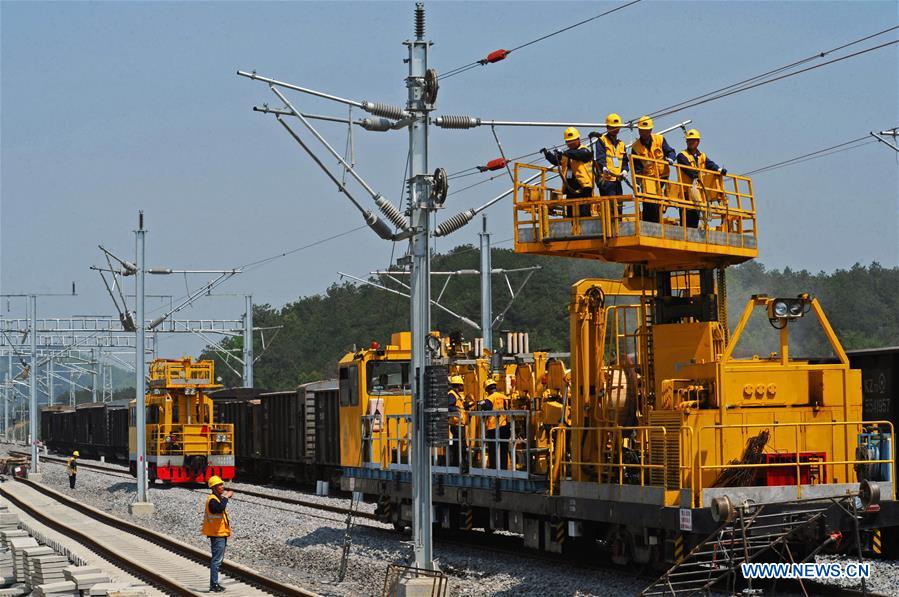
(471,65)
(772,72)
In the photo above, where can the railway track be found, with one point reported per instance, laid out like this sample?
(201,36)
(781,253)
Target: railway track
(500,544)
(161,561)
(257,494)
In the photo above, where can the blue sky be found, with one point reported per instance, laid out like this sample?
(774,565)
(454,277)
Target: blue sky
(112,107)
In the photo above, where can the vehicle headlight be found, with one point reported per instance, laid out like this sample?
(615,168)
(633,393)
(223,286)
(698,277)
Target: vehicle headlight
(780,308)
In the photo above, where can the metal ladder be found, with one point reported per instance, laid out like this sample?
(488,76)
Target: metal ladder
(746,535)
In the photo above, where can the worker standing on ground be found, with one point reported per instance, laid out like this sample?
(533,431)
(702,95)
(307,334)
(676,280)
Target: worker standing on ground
(217,527)
(575,168)
(496,434)
(652,157)
(611,157)
(457,421)
(72,469)
(693,158)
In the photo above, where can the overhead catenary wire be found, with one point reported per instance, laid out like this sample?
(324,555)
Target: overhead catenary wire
(819,153)
(772,72)
(771,80)
(485,61)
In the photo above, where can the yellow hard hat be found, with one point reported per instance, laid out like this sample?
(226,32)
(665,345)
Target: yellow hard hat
(215,480)
(489,383)
(692,134)
(75,453)
(645,123)
(613,120)
(456,380)
(572,133)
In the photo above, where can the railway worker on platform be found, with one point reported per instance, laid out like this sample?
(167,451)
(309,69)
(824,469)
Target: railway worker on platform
(496,434)
(611,157)
(652,157)
(575,168)
(693,158)
(72,468)
(457,422)
(217,527)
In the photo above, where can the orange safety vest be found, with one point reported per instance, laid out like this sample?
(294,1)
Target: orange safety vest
(500,402)
(697,162)
(615,156)
(457,418)
(580,171)
(656,153)
(215,525)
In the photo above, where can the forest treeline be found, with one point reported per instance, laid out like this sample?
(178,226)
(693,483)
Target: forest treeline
(861,303)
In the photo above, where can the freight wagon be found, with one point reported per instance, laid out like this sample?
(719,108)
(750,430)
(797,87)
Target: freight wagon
(286,435)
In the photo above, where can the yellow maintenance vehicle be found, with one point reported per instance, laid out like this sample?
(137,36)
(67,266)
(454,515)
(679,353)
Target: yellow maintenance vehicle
(663,443)
(184,444)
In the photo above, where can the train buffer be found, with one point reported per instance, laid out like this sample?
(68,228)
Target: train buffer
(746,534)
(665,224)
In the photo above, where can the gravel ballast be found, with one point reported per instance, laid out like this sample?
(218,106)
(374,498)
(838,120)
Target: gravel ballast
(303,546)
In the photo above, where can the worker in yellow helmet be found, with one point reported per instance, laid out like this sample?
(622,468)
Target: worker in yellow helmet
(575,168)
(72,468)
(692,163)
(611,157)
(652,158)
(457,420)
(497,437)
(217,527)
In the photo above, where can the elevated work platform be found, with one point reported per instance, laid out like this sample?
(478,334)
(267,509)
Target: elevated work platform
(708,221)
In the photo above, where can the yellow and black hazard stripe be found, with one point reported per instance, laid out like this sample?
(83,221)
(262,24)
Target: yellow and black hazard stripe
(467,518)
(876,544)
(559,531)
(678,549)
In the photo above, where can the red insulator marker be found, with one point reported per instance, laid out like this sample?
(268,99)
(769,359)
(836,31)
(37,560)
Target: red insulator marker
(495,56)
(494,164)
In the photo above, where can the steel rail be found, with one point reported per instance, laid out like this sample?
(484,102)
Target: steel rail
(246,492)
(149,575)
(230,568)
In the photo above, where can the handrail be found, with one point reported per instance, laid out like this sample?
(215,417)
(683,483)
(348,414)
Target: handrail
(797,463)
(610,438)
(190,437)
(725,201)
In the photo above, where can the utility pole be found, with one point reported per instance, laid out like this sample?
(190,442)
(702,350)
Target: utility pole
(141,506)
(486,289)
(95,353)
(248,343)
(6,408)
(32,410)
(422,205)
(50,397)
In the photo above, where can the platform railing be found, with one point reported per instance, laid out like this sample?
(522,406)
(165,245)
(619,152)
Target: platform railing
(848,436)
(650,443)
(215,439)
(486,446)
(725,207)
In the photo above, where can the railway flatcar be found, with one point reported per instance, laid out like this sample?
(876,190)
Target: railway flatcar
(663,438)
(184,444)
